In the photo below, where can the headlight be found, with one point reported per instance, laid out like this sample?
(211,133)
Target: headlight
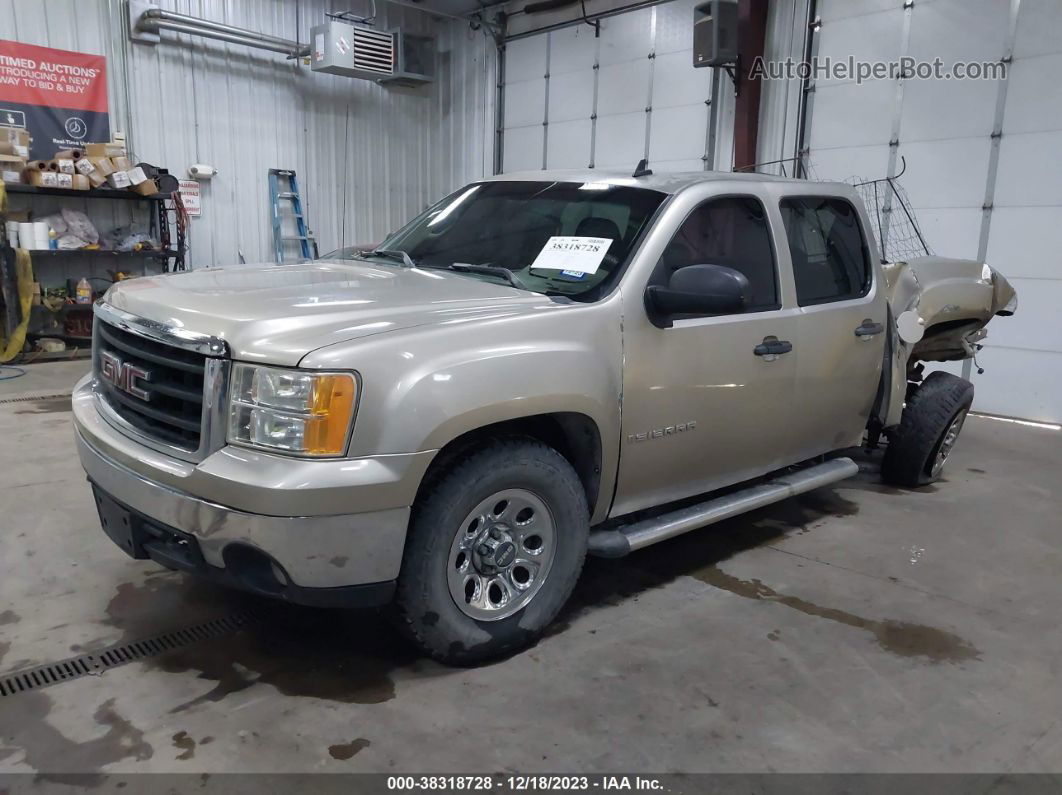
(294,411)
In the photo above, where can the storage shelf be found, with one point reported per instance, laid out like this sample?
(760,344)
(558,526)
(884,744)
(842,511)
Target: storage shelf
(93,193)
(88,252)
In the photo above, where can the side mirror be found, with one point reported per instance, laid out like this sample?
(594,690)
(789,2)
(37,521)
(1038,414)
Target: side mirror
(697,290)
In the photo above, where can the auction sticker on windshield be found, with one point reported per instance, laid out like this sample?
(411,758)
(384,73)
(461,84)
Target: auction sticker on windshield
(572,254)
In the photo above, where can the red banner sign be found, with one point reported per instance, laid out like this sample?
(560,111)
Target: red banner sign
(61,96)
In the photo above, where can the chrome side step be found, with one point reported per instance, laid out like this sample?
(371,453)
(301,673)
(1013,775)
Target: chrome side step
(617,543)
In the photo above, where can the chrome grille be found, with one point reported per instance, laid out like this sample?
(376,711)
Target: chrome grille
(163,399)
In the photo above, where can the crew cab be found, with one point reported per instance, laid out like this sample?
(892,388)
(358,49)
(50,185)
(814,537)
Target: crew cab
(539,366)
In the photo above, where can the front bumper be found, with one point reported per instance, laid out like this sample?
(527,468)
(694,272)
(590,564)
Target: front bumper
(326,524)
(246,567)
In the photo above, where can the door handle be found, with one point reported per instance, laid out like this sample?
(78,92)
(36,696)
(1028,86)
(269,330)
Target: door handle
(771,347)
(868,329)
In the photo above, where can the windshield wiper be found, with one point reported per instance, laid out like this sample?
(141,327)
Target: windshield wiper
(490,270)
(407,261)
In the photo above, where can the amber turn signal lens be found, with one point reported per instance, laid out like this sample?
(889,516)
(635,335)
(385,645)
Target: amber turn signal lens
(333,406)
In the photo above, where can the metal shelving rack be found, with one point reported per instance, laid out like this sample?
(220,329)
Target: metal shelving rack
(167,215)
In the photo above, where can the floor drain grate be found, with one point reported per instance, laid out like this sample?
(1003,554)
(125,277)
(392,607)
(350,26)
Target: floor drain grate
(35,398)
(113,656)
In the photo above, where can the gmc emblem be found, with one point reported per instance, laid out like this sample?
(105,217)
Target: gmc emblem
(124,376)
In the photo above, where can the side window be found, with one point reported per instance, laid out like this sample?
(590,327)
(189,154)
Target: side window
(733,232)
(828,250)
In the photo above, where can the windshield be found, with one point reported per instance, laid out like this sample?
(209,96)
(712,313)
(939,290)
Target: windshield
(560,238)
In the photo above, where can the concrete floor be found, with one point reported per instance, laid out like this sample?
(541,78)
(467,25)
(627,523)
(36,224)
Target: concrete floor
(859,628)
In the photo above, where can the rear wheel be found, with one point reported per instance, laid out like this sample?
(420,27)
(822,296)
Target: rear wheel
(929,427)
(495,547)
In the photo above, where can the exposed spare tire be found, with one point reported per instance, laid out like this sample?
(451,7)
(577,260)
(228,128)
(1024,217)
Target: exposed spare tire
(929,426)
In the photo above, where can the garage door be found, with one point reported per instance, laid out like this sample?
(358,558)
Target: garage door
(576,100)
(968,145)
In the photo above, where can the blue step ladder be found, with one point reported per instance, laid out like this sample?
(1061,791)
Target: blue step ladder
(276,195)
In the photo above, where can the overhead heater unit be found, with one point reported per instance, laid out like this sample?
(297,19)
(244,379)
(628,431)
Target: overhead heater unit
(366,53)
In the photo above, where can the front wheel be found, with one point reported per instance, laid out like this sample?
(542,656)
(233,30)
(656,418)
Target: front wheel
(495,547)
(929,427)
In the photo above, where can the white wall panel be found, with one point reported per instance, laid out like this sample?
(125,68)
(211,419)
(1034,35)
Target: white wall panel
(1034,97)
(833,10)
(525,102)
(627,37)
(599,116)
(1030,170)
(678,135)
(676,82)
(966,110)
(571,96)
(953,231)
(865,109)
(948,173)
(872,37)
(523,149)
(572,49)
(944,130)
(1038,26)
(623,87)
(569,144)
(368,157)
(1026,241)
(619,137)
(843,163)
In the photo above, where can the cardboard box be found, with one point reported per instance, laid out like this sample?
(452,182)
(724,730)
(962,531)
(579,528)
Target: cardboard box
(12,148)
(103,165)
(121,163)
(96,179)
(12,168)
(66,165)
(43,179)
(119,179)
(136,175)
(105,150)
(17,135)
(84,166)
(72,181)
(147,188)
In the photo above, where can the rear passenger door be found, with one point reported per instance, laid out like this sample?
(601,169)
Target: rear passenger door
(842,325)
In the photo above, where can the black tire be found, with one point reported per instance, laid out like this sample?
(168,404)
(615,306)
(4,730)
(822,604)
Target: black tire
(935,406)
(425,610)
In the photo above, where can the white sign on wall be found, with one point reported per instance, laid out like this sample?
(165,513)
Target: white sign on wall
(191,197)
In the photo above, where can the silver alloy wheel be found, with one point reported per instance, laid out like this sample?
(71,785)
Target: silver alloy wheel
(501,555)
(947,443)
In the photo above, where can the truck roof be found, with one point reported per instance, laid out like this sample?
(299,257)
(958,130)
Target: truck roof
(664,182)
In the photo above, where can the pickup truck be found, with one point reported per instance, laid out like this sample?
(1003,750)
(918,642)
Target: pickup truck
(537,367)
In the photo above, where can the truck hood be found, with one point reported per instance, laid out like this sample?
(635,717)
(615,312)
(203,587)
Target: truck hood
(278,313)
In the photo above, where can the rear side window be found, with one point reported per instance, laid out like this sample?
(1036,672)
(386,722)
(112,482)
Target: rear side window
(733,232)
(826,243)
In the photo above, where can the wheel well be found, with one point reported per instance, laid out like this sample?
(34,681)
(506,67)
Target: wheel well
(575,436)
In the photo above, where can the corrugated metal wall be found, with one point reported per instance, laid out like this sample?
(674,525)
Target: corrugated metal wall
(368,157)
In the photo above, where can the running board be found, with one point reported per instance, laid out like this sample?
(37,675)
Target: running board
(617,543)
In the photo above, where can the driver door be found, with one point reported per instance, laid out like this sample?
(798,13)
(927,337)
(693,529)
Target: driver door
(703,406)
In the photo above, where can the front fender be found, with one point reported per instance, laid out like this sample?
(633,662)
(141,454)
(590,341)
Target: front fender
(424,387)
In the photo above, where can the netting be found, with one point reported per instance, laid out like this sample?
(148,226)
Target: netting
(894,222)
(888,207)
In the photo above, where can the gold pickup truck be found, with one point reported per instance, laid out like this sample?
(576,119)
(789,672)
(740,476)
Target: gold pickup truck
(537,367)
